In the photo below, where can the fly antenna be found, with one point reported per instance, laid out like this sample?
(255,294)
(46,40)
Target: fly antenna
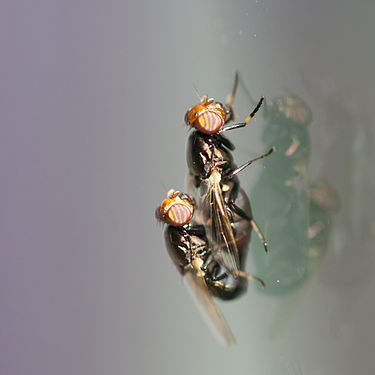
(197,93)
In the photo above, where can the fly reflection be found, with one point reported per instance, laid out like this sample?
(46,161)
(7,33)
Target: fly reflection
(298,218)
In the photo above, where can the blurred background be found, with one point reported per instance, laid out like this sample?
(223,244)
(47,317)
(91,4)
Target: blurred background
(93,97)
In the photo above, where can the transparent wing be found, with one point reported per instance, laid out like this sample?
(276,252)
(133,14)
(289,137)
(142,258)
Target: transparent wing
(218,223)
(214,318)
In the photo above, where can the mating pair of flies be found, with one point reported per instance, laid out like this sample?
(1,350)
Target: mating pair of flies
(210,251)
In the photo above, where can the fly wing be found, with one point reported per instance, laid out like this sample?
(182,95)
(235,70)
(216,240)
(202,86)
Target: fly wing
(218,223)
(214,318)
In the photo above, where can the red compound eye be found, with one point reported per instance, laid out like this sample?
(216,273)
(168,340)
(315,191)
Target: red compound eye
(179,214)
(209,122)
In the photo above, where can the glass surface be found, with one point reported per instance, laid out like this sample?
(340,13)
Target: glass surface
(93,97)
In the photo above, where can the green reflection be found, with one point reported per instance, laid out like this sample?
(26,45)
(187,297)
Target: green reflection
(294,213)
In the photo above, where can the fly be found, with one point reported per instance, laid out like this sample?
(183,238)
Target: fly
(213,172)
(192,254)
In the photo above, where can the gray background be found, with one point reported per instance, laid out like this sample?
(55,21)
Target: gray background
(93,96)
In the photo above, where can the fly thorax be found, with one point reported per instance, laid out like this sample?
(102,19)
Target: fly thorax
(215,176)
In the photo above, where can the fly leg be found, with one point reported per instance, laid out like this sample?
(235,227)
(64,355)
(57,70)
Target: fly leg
(250,277)
(248,118)
(254,225)
(243,166)
(231,173)
(197,230)
(217,274)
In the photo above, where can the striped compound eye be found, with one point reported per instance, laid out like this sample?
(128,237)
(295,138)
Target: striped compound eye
(179,214)
(209,122)
(177,210)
